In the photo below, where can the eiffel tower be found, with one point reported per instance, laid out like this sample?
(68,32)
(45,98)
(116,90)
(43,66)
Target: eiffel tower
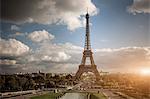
(87,56)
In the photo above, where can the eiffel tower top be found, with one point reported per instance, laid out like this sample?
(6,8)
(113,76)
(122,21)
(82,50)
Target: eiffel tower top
(87,45)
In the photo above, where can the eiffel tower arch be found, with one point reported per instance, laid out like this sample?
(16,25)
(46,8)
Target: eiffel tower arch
(87,56)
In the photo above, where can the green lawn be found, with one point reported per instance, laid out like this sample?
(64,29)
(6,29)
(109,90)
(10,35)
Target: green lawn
(47,96)
(98,96)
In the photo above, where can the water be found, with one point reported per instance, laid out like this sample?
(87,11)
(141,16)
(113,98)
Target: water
(74,96)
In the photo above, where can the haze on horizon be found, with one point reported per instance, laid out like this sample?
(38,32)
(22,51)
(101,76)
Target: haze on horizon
(49,35)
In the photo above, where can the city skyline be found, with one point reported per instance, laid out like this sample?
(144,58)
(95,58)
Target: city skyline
(48,35)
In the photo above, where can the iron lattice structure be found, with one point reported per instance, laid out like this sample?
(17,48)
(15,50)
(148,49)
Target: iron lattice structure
(87,54)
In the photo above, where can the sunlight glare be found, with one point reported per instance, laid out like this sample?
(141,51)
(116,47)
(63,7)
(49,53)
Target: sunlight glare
(145,71)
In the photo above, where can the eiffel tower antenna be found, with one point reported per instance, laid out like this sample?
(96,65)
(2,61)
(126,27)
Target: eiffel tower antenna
(87,10)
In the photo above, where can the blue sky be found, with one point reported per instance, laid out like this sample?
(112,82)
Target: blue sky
(115,24)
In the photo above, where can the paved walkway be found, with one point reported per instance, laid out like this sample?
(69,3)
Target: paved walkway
(26,96)
(111,95)
(74,96)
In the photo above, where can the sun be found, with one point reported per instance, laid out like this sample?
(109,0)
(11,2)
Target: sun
(145,71)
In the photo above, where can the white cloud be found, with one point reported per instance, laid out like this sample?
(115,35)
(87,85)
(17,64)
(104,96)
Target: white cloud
(39,36)
(61,56)
(12,47)
(54,56)
(49,57)
(139,6)
(54,52)
(66,12)
(7,62)
(126,59)
(14,28)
